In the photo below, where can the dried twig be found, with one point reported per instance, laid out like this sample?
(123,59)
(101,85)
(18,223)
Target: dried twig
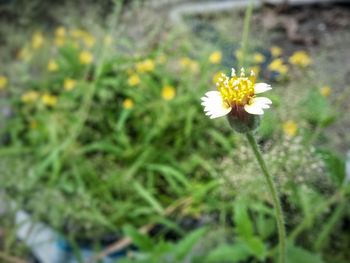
(125,242)
(11,259)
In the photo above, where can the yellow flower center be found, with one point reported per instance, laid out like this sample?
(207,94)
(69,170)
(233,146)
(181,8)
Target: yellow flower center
(236,91)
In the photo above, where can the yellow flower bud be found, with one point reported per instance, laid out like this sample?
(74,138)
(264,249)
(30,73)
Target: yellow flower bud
(168,92)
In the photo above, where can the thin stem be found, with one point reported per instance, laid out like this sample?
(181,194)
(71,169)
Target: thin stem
(275,198)
(245,34)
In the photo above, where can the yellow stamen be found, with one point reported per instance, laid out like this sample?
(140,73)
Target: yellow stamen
(236,90)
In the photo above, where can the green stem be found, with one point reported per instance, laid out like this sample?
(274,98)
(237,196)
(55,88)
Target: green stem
(275,198)
(245,35)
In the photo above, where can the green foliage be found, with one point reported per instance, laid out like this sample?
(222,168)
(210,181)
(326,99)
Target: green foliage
(107,156)
(335,166)
(300,255)
(317,110)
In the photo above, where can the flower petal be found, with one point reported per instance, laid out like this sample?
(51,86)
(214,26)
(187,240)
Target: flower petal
(262,101)
(214,106)
(254,108)
(261,87)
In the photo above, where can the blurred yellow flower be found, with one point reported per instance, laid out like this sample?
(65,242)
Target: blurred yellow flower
(86,57)
(168,92)
(29,96)
(69,84)
(300,58)
(59,41)
(52,66)
(49,100)
(134,80)
(215,57)
(189,64)
(216,76)
(33,124)
(89,40)
(108,40)
(276,51)
(24,54)
(258,58)
(3,82)
(60,32)
(290,128)
(128,104)
(146,65)
(325,91)
(161,59)
(77,33)
(184,62)
(239,54)
(37,40)
(256,70)
(278,66)
(194,66)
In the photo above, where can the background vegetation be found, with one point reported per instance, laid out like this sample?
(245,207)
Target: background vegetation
(103,135)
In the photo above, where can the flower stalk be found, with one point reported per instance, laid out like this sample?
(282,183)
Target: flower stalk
(275,198)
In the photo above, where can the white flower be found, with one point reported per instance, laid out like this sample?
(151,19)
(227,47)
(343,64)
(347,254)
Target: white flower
(236,94)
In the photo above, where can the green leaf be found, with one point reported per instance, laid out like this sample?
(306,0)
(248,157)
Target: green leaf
(242,220)
(256,247)
(228,253)
(148,197)
(268,124)
(185,245)
(335,166)
(300,255)
(317,109)
(142,241)
(170,171)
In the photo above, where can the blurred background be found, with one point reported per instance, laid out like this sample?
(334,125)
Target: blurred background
(106,154)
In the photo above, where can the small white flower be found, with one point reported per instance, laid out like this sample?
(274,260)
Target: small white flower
(236,94)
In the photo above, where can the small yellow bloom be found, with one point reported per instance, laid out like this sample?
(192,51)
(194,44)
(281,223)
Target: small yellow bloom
(194,66)
(59,41)
(185,62)
(290,128)
(161,59)
(77,33)
(215,57)
(60,32)
(134,80)
(128,104)
(24,54)
(278,66)
(69,84)
(147,65)
(89,40)
(239,54)
(3,82)
(49,100)
(189,64)
(256,70)
(325,91)
(86,57)
(33,124)
(37,40)
(108,40)
(300,58)
(29,96)
(276,51)
(52,66)
(259,58)
(168,92)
